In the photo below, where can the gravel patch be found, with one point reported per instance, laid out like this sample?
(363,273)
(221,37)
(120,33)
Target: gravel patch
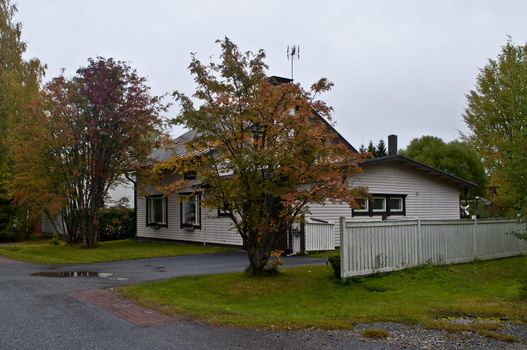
(404,336)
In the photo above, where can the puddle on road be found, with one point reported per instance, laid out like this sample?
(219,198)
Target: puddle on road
(77,274)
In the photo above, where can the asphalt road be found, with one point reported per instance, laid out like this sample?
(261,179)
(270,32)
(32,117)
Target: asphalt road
(43,312)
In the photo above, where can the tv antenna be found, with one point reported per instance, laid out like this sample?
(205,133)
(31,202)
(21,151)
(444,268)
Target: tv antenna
(292,51)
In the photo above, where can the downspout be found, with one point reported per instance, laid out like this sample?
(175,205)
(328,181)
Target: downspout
(135,200)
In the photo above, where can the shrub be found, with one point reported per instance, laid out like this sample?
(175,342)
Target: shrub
(116,223)
(55,240)
(7,227)
(334,262)
(8,235)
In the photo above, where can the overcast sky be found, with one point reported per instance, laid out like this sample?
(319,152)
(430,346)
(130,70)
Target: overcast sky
(399,67)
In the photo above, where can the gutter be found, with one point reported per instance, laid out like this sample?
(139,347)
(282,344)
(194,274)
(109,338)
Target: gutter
(135,200)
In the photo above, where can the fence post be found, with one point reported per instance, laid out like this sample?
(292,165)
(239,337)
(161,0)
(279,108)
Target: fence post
(419,253)
(475,230)
(303,236)
(343,247)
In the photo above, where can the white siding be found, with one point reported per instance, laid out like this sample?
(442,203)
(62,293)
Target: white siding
(55,226)
(214,229)
(427,196)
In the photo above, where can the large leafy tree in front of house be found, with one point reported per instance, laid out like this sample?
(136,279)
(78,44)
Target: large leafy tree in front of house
(79,138)
(496,115)
(458,158)
(263,150)
(19,84)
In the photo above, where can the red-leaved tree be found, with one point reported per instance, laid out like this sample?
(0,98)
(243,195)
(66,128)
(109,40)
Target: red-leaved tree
(79,138)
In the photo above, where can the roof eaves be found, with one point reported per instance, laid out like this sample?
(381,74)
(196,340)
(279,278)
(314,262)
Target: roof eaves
(428,169)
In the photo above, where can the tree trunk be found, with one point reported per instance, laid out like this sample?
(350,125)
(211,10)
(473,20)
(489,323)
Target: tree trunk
(262,234)
(257,259)
(90,235)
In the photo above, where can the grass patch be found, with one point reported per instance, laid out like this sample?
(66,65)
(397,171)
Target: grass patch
(375,333)
(323,254)
(127,249)
(309,297)
(500,336)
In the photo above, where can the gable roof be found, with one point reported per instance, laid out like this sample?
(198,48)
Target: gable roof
(178,148)
(332,128)
(180,142)
(396,159)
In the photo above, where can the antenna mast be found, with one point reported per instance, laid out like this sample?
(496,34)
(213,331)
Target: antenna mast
(292,51)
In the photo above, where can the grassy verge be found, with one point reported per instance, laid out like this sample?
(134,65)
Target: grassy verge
(107,251)
(310,297)
(323,254)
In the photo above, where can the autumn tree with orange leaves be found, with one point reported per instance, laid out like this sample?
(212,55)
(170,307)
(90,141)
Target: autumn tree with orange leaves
(263,149)
(19,83)
(79,138)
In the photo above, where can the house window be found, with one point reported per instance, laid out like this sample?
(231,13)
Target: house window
(222,211)
(156,211)
(190,210)
(379,204)
(189,175)
(396,204)
(363,205)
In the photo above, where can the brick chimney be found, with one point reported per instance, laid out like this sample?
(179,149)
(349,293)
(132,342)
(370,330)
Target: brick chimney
(392,145)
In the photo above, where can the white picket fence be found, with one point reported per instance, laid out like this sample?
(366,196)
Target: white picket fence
(319,236)
(370,247)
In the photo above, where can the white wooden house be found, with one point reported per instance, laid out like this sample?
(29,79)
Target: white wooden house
(398,187)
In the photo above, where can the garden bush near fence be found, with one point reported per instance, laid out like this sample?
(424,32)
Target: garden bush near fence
(116,223)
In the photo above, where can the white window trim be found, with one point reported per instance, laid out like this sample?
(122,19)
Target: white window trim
(401,200)
(151,212)
(186,199)
(366,207)
(383,206)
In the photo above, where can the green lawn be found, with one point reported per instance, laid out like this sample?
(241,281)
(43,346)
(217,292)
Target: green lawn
(323,254)
(107,251)
(310,297)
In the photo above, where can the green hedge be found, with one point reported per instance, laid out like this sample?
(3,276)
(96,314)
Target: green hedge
(116,223)
(10,231)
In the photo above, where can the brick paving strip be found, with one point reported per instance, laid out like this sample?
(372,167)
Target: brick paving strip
(110,301)
(8,261)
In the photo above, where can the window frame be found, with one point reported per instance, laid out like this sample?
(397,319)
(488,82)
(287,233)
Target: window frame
(196,225)
(189,175)
(222,212)
(387,211)
(384,205)
(392,210)
(366,208)
(164,210)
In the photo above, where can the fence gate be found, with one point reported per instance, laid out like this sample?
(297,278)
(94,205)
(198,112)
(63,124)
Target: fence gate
(313,235)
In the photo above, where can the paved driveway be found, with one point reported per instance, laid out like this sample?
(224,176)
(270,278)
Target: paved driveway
(80,313)
(85,313)
(166,267)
